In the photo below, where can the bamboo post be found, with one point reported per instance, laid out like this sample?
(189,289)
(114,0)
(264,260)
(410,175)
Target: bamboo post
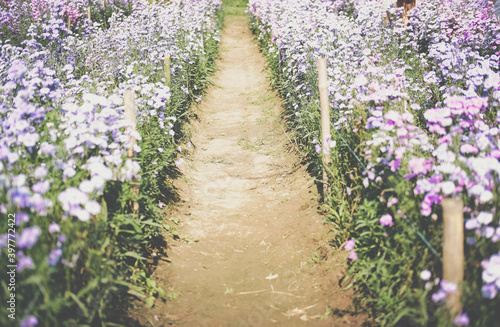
(166,65)
(325,120)
(407,6)
(104,8)
(453,249)
(88,12)
(69,22)
(131,116)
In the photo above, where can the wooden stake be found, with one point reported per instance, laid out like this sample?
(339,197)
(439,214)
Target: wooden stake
(453,249)
(166,65)
(69,22)
(325,120)
(407,6)
(88,12)
(104,7)
(131,116)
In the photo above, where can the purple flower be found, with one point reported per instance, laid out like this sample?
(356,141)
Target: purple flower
(69,172)
(386,220)
(40,172)
(439,296)
(47,149)
(29,322)
(81,214)
(54,256)
(54,228)
(489,291)
(472,224)
(28,237)
(61,238)
(318,148)
(22,217)
(29,139)
(394,165)
(72,198)
(448,287)
(24,261)
(349,245)
(93,207)
(17,70)
(462,320)
(41,187)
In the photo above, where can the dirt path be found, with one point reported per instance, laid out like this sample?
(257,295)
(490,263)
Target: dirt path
(253,210)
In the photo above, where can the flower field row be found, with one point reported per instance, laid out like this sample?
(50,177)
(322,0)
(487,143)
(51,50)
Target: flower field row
(415,118)
(22,18)
(85,213)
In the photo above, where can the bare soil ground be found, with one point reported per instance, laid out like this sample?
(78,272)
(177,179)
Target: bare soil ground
(262,256)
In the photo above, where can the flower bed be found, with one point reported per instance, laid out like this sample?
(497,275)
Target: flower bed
(415,119)
(66,176)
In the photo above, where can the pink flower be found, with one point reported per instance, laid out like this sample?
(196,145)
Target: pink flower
(392,202)
(468,148)
(420,165)
(386,220)
(495,154)
(353,256)
(349,245)
(394,164)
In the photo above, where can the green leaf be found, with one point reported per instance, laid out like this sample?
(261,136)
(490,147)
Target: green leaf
(151,223)
(136,293)
(79,303)
(161,292)
(134,255)
(151,283)
(150,301)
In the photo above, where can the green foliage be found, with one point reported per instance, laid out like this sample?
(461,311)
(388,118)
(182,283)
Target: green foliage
(385,276)
(108,259)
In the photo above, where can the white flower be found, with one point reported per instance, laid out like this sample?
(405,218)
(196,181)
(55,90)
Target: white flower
(485,217)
